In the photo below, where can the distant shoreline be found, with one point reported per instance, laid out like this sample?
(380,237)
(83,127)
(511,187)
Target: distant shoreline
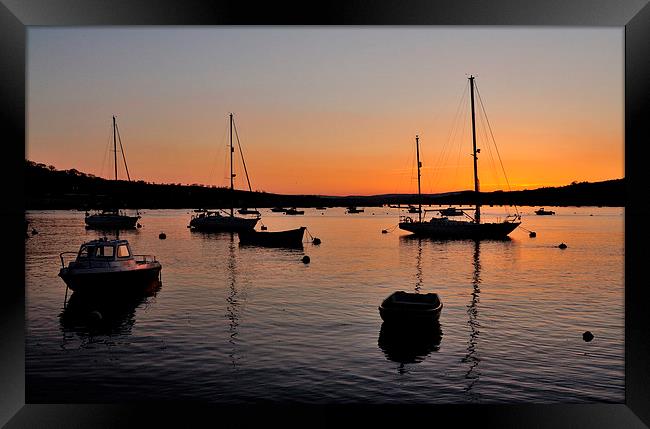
(47,188)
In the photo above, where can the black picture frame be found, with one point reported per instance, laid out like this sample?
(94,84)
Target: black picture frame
(17,15)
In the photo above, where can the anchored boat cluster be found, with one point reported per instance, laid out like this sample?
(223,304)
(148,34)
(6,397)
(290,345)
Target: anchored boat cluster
(111,262)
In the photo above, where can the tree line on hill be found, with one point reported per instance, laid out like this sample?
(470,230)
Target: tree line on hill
(49,188)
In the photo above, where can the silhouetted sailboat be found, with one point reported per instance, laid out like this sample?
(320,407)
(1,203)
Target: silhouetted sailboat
(214,220)
(113,218)
(442,227)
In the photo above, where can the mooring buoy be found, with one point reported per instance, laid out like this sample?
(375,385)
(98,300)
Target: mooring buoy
(587,336)
(383,231)
(562,246)
(305,259)
(162,235)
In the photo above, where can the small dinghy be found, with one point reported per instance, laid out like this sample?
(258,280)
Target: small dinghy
(406,307)
(289,238)
(108,265)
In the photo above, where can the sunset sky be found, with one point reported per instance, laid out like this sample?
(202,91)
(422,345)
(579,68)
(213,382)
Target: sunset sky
(330,111)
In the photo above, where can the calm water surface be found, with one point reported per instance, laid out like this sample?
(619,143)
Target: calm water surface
(235,324)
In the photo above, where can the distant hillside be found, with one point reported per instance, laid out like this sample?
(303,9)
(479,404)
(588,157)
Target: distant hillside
(49,188)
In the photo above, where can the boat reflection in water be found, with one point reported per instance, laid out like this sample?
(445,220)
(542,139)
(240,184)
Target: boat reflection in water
(472,358)
(103,314)
(412,343)
(233,308)
(407,346)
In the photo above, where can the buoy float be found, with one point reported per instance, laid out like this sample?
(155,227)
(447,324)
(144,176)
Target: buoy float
(316,240)
(34,232)
(138,225)
(562,246)
(305,259)
(162,235)
(383,231)
(587,336)
(263,228)
(96,316)
(532,234)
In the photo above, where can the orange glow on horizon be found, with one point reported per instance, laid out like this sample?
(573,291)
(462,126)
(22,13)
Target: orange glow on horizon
(314,118)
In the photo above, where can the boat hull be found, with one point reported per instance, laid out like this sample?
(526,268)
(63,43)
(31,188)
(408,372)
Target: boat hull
(222,223)
(459,229)
(111,222)
(101,280)
(411,309)
(290,238)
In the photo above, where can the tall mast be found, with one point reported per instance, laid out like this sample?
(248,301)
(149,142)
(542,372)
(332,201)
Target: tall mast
(477,217)
(417,151)
(114,147)
(232,186)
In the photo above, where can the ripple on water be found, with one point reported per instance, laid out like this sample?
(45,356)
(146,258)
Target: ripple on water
(235,325)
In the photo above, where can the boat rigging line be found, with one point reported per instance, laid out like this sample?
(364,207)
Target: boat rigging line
(241,153)
(126,167)
(391,229)
(494,141)
(314,240)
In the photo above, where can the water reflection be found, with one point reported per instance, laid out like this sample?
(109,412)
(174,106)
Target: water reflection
(233,306)
(407,345)
(91,314)
(472,358)
(410,344)
(235,296)
(418,268)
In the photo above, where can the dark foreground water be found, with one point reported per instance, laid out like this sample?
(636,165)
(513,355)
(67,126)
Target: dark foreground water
(235,324)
